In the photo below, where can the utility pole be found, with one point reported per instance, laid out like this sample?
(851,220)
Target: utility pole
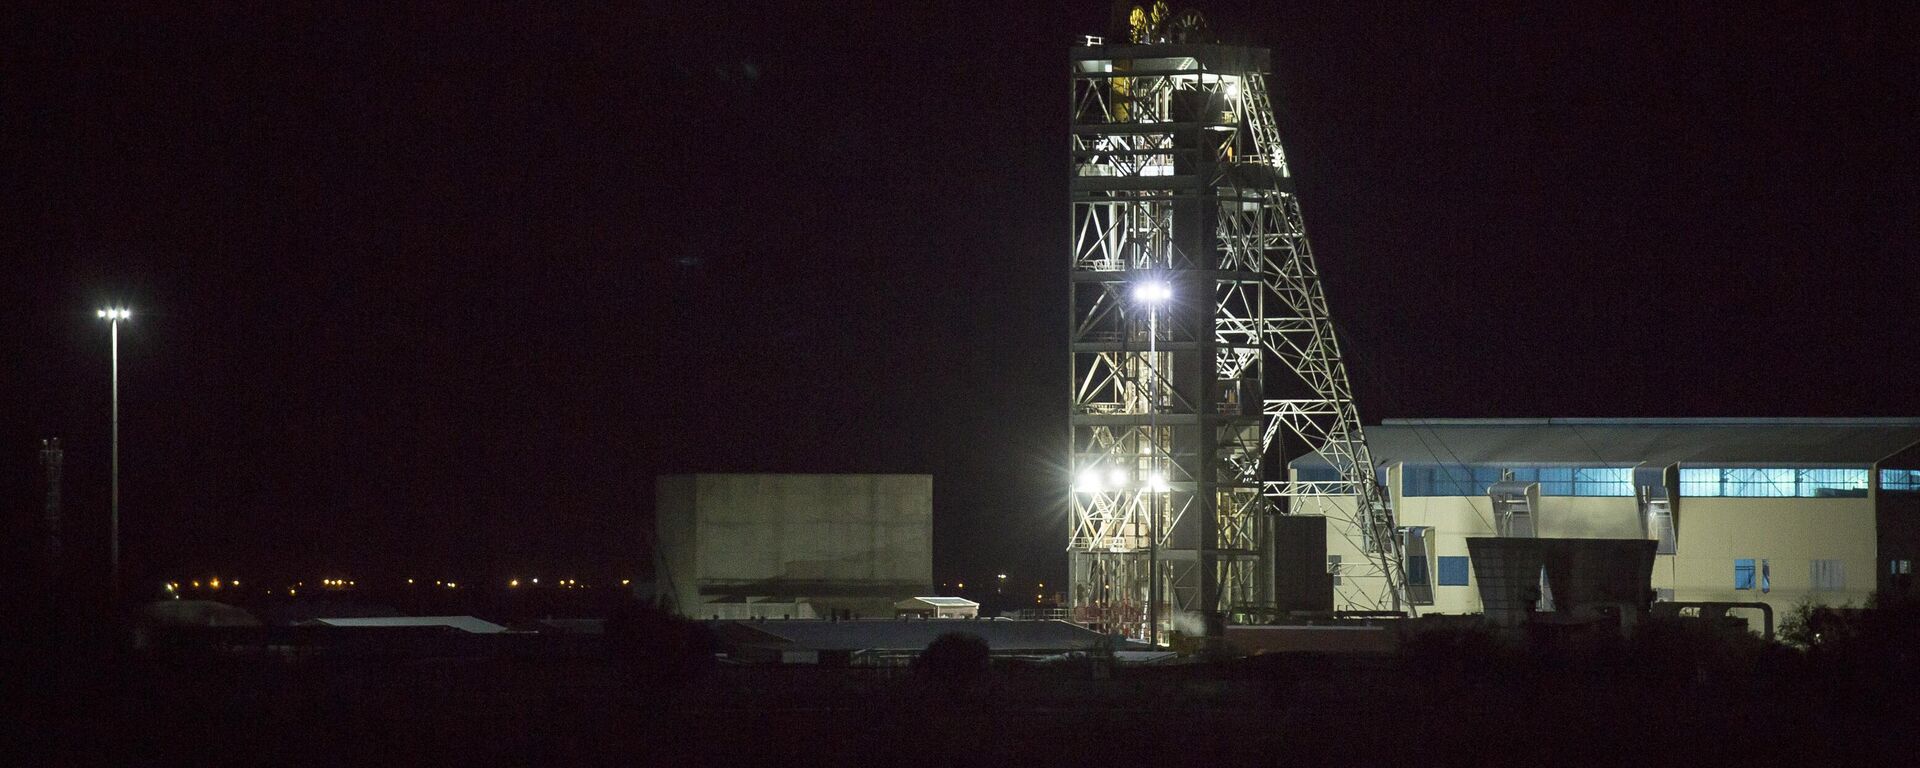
(113,317)
(50,458)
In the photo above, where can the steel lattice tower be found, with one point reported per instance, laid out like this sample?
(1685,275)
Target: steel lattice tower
(1180,191)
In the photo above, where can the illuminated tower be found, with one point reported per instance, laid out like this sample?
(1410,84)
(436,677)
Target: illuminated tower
(1199,332)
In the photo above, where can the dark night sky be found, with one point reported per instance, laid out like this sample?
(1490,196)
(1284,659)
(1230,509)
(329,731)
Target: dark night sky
(438,290)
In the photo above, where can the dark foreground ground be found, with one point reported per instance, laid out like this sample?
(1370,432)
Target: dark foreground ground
(1448,700)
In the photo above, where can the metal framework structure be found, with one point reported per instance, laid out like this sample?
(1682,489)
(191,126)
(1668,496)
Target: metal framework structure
(1179,181)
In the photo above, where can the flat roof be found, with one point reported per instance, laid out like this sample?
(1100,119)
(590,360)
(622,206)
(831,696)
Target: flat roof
(1656,441)
(462,623)
(941,602)
(1004,636)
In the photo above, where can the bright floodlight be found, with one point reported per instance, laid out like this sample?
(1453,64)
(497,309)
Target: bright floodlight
(1152,292)
(1117,478)
(114,313)
(1157,482)
(1089,481)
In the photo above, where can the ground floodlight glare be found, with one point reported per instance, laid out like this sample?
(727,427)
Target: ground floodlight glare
(1117,478)
(1089,480)
(1157,482)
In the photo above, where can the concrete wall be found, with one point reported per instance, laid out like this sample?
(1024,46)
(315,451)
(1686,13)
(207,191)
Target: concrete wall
(835,541)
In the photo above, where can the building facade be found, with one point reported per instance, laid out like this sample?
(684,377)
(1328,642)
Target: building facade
(749,546)
(1775,511)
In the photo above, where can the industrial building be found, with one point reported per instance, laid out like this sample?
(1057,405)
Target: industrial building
(1773,511)
(753,546)
(1203,350)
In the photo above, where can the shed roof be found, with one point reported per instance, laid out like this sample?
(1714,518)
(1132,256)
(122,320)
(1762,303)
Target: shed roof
(1698,442)
(937,602)
(1002,636)
(462,623)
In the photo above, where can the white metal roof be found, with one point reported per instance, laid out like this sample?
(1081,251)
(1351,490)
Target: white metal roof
(1697,442)
(462,623)
(938,602)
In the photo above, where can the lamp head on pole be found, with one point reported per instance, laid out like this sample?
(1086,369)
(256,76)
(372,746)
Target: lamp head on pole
(1152,292)
(114,313)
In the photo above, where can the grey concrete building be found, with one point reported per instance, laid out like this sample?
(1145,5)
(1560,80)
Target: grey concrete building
(792,546)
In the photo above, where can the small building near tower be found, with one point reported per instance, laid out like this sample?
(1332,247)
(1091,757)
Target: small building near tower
(780,546)
(937,608)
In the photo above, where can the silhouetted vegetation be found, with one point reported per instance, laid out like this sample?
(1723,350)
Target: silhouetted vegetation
(1675,691)
(654,650)
(954,659)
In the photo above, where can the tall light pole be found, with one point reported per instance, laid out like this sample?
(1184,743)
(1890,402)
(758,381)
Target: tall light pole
(113,316)
(1152,293)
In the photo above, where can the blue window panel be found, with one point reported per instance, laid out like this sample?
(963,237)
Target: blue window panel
(1743,574)
(1759,483)
(1453,480)
(1699,482)
(1321,473)
(1436,480)
(1316,473)
(1415,480)
(1900,480)
(1556,481)
(1484,477)
(1832,482)
(1602,481)
(1453,571)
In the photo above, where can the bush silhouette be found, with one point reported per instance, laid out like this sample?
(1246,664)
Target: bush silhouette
(955,658)
(656,651)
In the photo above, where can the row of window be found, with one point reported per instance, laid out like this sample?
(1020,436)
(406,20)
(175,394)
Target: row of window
(1748,573)
(1772,482)
(1464,480)
(1451,571)
(1822,575)
(1745,482)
